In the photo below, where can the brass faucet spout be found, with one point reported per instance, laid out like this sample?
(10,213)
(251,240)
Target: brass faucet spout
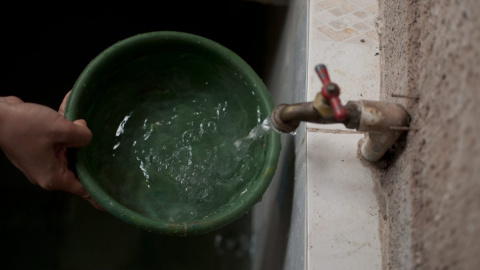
(286,118)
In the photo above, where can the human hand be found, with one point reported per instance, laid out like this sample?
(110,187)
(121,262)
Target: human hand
(35,137)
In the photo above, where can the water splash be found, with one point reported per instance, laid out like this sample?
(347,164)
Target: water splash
(256,133)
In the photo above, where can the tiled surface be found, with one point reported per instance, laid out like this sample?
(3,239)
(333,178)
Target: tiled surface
(342,36)
(344,20)
(342,221)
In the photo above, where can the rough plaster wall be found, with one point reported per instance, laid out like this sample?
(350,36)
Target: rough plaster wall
(429,190)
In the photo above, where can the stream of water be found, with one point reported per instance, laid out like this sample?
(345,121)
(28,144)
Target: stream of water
(242,145)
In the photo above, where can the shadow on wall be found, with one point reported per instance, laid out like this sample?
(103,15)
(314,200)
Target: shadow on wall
(44,51)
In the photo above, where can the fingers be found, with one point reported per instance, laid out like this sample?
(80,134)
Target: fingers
(80,122)
(76,188)
(70,184)
(61,110)
(74,134)
(78,134)
(11,99)
(89,199)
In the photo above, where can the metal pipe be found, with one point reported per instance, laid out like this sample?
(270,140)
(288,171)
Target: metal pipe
(286,118)
(377,120)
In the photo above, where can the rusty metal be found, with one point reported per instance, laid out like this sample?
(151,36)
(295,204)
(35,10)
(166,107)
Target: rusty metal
(377,121)
(382,122)
(286,118)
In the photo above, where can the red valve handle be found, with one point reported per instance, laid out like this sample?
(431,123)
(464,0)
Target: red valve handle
(331,91)
(339,112)
(323,74)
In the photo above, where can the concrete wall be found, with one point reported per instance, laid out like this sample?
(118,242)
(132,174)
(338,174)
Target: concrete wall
(429,188)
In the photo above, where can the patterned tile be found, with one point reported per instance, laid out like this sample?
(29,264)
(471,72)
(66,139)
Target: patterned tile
(343,35)
(361,27)
(361,3)
(360,14)
(344,20)
(342,4)
(337,12)
(337,35)
(337,25)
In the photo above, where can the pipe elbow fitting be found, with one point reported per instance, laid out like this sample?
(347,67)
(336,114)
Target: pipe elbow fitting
(279,122)
(379,119)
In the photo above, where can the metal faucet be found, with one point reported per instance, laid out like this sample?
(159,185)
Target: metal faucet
(379,120)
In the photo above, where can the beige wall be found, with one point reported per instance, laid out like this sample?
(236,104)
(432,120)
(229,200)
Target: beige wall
(429,190)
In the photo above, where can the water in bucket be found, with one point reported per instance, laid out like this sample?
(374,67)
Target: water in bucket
(191,149)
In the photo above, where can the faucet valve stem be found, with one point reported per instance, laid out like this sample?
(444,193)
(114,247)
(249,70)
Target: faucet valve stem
(327,100)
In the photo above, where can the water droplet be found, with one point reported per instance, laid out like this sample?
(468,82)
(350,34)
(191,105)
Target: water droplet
(116,145)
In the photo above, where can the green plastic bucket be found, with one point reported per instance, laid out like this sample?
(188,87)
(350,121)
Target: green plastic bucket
(165,109)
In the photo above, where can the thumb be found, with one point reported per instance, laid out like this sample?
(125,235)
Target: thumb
(76,134)
(80,122)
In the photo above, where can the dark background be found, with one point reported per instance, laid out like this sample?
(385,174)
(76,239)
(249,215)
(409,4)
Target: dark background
(44,49)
